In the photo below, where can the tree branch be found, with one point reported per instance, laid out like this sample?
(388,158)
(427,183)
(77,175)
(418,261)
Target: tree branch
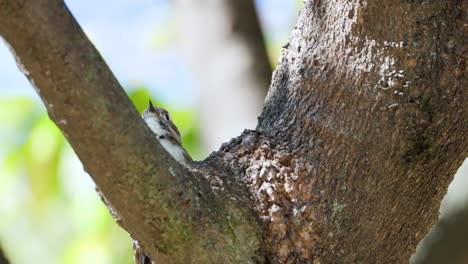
(371,96)
(363,129)
(172,213)
(446,242)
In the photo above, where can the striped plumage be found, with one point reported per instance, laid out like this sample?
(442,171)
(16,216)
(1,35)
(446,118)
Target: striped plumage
(160,122)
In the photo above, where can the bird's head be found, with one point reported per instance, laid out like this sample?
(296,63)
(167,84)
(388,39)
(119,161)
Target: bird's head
(160,121)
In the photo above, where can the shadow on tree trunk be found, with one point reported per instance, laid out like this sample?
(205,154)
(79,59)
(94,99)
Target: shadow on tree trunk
(447,242)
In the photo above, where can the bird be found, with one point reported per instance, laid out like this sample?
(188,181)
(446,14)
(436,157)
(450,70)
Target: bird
(159,120)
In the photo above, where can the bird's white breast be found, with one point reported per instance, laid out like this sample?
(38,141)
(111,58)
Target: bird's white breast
(174,149)
(155,126)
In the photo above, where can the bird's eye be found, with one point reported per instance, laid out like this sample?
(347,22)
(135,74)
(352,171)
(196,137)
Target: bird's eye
(167,116)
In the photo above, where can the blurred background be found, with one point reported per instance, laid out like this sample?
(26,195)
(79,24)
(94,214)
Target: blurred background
(208,61)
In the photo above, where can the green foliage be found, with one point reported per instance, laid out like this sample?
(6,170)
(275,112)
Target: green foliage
(140,96)
(49,207)
(42,157)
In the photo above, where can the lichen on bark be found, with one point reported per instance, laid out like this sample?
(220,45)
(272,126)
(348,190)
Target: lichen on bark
(363,129)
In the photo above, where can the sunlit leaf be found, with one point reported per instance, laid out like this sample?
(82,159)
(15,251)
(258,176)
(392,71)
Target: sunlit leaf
(86,250)
(43,156)
(191,141)
(13,110)
(140,96)
(17,116)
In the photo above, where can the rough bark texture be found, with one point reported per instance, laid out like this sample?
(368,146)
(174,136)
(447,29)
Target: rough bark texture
(363,129)
(172,213)
(446,242)
(370,98)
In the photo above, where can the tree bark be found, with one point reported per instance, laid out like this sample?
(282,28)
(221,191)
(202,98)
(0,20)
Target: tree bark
(174,214)
(446,242)
(363,129)
(370,97)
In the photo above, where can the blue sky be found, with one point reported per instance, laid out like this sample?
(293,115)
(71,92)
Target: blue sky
(125,32)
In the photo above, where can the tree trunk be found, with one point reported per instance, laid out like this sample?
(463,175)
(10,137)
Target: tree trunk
(174,214)
(446,242)
(370,99)
(363,129)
